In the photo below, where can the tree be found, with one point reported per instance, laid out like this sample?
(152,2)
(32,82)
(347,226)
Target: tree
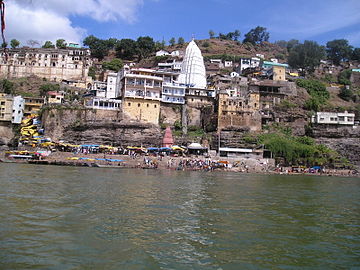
(291,44)
(172,41)
(346,93)
(32,42)
(48,44)
(99,47)
(61,44)
(181,41)
(338,50)
(45,88)
(356,54)
(4,45)
(306,56)
(344,77)
(145,46)
(7,86)
(92,73)
(126,49)
(115,65)
(211,34)
(281,43)
(14,43)
(90,41)
(257,35)
(236,35)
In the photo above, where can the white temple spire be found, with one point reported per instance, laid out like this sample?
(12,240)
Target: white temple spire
(193,69)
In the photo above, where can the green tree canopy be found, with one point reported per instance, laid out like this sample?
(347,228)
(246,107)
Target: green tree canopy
(172,41)
(14,43)
(146,46)
(211,34)
(181,41)
(338,50)
(100,47)
(6,86)
(45,88)
(115,64)
(61,44)
(306,56)
(291,44)
(126,49)
(48,44)
(356,54)
(257,35)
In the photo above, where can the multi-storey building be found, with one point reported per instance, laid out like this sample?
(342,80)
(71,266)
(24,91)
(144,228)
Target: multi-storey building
(33,105)
(239,111)
(52,64)
(173,93)
(141,94)
(11,108)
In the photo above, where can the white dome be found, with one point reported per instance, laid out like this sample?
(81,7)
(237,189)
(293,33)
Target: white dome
(193,69)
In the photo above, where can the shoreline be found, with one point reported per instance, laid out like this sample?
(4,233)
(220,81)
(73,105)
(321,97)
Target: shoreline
(167,163)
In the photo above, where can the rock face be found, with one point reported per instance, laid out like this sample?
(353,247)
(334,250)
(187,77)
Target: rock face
(98,127)
(347,147)
(6,133)
(345,140)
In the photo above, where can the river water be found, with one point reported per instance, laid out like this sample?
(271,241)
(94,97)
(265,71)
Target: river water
(100,218)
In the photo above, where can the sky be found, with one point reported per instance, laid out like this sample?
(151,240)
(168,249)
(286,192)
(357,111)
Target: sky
(73,20)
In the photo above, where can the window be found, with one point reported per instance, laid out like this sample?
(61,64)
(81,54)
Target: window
(155,106)
(138,104)
(341,118)
(129,104)
(147,105)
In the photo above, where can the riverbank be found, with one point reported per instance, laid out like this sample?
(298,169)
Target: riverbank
(194,163)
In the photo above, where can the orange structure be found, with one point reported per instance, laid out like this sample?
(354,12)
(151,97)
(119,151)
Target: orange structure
(168,140)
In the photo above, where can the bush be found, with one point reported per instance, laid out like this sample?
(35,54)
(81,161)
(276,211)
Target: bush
(344,77)
(206,44)
(45,88)
(7,86)
(177,125)
(317,91)
(346,94)
(298,150)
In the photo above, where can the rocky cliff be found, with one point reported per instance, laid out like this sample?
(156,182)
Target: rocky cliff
(89,126)
(345,140)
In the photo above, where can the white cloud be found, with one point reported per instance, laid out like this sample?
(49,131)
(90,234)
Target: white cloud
(49,20)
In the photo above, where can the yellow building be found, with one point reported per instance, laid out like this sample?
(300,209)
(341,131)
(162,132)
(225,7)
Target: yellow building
(142,109)
(55,98)
(239,111)
(279,73)
(6,107)
(141,94)
(33,105)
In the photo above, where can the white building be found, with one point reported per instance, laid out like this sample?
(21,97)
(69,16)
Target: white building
(228,64)
(98,89)
(18,109)
(248,63)
(112,86)
(173,93)
(330,118)
(193,71)
(103,104)
(162,53)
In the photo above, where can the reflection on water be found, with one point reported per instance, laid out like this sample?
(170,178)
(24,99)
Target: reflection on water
(93,218)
